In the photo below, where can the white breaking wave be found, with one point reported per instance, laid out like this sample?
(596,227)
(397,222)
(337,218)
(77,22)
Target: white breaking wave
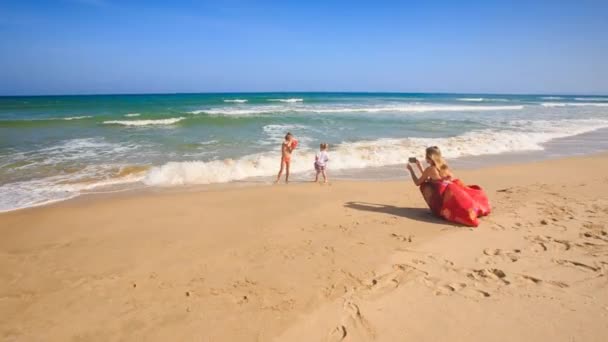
(520,135)
(412,108)
(551,98)
(286,100)
(523,136)
(130,115)
(242,111)
(48,190)
(77,117)
(170,121)
(481,99)
(605,99)
(92,152)
(236,101)
(573,104)
(407,108)
(84,150)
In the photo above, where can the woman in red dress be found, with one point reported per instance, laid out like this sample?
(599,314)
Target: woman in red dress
(447,196)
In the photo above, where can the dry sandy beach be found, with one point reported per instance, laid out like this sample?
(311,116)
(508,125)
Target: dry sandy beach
(353,261)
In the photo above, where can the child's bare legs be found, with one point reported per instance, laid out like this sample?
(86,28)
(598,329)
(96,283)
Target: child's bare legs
(287,171)
(324,176)
(317,176)
(281,171)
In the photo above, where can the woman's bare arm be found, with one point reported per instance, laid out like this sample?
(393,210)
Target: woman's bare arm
(426,174)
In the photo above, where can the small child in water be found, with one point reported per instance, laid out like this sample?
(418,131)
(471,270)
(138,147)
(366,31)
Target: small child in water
(289,144)
(321,160)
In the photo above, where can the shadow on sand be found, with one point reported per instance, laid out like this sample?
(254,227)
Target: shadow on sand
(418,214)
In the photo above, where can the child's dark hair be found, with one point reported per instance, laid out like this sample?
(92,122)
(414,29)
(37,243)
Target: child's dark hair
(323,146)
(288,135)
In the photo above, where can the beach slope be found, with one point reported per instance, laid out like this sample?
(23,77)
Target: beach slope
(352,261)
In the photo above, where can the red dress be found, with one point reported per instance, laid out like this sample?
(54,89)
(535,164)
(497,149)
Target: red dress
(456,202)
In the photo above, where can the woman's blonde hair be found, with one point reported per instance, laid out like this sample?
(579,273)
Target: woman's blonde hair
(434,154)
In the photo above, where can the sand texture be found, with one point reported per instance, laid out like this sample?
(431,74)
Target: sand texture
(350,261)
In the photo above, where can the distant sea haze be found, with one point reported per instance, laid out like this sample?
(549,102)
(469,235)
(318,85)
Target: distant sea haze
(58,147)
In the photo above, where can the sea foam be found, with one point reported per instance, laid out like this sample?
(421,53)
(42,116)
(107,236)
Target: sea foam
(523,136)
(573,104)
(601,99)
(292,100)
(169,121)
(236,101)
(401,108)
(77,117)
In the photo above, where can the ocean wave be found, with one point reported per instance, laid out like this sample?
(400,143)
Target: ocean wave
(517,135)
(130,115)
(69,118)
(236,101)
(471,99)
(573,104)
(407,108)
(482,99)
(77,117)
(81,150)
(42,191)
(552,98)
(292,100)
(413,108)
(523,136)
(242,111)
(600,99)
(169,121)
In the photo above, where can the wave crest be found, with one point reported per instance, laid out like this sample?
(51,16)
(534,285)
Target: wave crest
(407,108)
(77,117)
(292,100)
(523,136)
(170,121)
(573,104)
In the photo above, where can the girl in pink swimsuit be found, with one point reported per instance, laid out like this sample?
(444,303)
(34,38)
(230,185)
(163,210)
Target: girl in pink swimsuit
(286,148)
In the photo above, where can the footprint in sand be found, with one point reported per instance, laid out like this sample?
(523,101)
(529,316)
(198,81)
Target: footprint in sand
(548,243)
(443,288)
(524,279)
(352,325)
(387,282)
(594,249)
(492,255)
(578,265)
(489,275)
(402,238)
(595,231)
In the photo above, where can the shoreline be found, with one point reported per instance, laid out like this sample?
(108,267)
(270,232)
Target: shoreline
(553,151)
(308,262)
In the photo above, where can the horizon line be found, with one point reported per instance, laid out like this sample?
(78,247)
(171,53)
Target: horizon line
(309,92)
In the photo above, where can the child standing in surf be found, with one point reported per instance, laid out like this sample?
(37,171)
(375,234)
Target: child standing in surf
(321,160)
(286,149)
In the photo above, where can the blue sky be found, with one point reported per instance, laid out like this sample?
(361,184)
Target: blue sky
(113,46)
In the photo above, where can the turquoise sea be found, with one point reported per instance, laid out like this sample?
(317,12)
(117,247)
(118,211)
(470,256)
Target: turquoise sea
(58,147)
